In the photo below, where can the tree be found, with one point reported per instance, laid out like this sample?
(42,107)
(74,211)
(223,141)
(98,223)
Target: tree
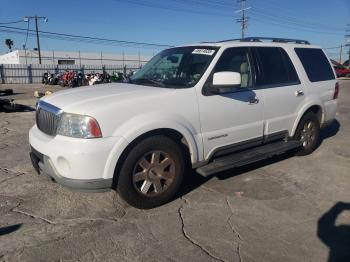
(9,43)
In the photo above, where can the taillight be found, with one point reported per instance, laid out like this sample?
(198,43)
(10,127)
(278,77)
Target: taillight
(336,91)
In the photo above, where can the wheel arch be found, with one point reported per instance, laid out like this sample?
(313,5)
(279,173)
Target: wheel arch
(173,134)
(316,108)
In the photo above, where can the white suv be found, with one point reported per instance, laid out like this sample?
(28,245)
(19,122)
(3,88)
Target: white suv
(211,106)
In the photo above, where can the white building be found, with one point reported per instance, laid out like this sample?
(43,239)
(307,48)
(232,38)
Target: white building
(24,57)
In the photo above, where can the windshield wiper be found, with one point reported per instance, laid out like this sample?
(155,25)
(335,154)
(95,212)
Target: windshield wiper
(149,80)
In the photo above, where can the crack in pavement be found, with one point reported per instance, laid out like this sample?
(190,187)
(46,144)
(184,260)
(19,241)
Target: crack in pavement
(238,250)
(234,230)
(4,128)
(3,146)
(4,170)
(16,210)
(33,216)
(10,178)
(186,235)
(60,221)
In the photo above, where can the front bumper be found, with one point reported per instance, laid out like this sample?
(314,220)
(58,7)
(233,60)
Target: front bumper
(82,164)
(43,165)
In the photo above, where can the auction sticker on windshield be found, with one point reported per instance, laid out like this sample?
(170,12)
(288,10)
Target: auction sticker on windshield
(203,51)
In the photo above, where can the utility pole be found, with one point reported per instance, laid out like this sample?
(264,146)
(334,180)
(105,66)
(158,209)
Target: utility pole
(37,38)
(25,53)
(244,18)
(27,18)
(340,54)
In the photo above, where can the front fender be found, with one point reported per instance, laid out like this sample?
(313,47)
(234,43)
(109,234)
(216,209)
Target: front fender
(139,125)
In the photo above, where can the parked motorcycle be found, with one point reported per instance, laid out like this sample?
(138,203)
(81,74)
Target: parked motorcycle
(118,77)
(45,78)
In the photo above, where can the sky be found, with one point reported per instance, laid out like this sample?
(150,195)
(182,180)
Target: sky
(175,22)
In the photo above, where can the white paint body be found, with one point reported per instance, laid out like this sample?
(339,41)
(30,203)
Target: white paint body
(126,111)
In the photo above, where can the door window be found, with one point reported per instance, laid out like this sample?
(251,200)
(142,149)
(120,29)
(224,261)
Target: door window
(236,60)
(275,67)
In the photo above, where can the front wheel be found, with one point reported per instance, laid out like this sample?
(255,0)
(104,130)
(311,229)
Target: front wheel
(152,172)
(308,132)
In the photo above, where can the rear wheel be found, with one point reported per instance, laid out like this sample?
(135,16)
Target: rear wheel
(308,132)
(152,172)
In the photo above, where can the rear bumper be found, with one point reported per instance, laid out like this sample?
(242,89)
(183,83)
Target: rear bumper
(44,166)
(330,110)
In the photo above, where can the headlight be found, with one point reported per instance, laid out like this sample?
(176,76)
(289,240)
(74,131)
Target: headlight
(78,126)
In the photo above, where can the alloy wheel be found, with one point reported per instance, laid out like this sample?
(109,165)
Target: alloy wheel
(153,173)
(308,134)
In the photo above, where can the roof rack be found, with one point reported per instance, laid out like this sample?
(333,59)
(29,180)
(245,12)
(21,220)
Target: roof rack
(272,39)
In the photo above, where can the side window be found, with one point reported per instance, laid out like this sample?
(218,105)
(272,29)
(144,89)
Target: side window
(236,60)
(275,67)
(315,63)
(292,74)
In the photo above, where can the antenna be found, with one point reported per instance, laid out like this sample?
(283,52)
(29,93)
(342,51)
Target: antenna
(244,19)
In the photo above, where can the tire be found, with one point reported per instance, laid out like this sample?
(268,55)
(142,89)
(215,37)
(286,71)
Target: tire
(308,131)
(151,173)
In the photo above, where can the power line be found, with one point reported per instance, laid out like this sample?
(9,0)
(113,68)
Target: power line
(293,27)
(263,12)
(25,43)
(274,10)
(13,22)
(333,47)
(244,19)
(266,18)
(174,9)
(296,22)
(36,18)
(80,38)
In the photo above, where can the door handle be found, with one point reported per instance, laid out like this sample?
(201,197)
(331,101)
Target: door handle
(299,93)
(253,100)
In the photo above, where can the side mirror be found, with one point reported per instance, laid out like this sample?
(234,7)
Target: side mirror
(224,82)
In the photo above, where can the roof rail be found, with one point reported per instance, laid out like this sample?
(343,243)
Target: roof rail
(272,39)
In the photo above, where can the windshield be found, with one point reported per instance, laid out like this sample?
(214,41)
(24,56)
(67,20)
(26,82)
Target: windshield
(176,67)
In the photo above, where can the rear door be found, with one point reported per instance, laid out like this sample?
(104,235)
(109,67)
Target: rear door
(321,78)
(283,92)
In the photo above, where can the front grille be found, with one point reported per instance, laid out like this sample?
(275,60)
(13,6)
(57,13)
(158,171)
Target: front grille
(47,117)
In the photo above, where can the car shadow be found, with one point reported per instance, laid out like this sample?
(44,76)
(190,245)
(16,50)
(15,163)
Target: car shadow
(9,95)
(10,107)
(193,180)
(9,229)
(330,130)
(336,238)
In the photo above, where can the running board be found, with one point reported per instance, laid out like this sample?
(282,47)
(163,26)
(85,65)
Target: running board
(247,156)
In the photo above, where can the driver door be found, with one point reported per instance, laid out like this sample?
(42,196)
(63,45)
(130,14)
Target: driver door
(232,120)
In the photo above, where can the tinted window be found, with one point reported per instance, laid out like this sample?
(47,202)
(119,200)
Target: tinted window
(315,64)
(236,60)
(275,67)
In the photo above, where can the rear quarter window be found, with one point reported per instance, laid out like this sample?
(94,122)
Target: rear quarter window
(315,63)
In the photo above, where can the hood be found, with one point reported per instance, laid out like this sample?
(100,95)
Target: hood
(83,99)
